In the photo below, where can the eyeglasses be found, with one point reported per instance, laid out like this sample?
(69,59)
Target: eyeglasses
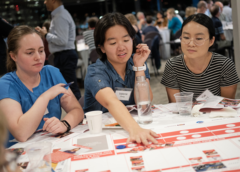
(197,41)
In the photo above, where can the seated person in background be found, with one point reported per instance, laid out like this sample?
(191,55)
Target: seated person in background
(197,69)
(149,28)
(161,21)
(202,7)
(141,20)
(219,34)
(132,19)
(88,35)
(31,96)
(174,24)
(222,17)
(114,38)
(227,11)
(190,11)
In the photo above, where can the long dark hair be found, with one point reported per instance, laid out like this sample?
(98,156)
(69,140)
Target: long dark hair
(202,19)
(110,20)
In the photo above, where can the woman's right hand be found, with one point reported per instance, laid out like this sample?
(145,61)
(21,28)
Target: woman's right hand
(54,91)
(141,135)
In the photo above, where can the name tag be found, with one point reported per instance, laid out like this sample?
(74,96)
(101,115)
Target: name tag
(46,112)
(123,93)
(205,95)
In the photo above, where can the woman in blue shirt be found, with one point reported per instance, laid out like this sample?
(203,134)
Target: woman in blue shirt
(113,37)
(31,96)
(174,24)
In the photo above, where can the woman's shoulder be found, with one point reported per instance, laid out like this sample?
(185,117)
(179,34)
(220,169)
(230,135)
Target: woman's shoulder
(220,59)
(7,79)
(96,68)
(177,60)
(8,84)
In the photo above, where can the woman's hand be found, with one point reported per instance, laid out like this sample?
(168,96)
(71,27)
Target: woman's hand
(141,55)
(54,125)
(54,91)
(141,135)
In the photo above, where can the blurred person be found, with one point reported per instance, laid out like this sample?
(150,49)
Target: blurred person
(161,21)
(132,19)
(61,42)
(149,28)
(7,163)
(197,69)
(141,20)
(227,11)
(46,24)
(220,38)
(222,17)
(31,94)
(209,5)
(88,35)
(5,30)
(190,11)
(202,7)
(174,24)
(113,37)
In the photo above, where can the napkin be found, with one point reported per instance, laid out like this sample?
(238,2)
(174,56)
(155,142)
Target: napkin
(226,112)
(195,110)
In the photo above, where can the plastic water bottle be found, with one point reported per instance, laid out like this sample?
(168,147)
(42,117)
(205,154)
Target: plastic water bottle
(143,100)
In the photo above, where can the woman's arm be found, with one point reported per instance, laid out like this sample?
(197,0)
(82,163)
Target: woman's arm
(229,92)
(170,93)
(74,115)
(107,98)
(22,126)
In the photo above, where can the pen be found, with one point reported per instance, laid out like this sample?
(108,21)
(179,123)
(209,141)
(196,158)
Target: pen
(68,84)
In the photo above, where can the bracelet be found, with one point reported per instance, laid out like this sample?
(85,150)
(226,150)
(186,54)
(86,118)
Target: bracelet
(67,125)
(142,68)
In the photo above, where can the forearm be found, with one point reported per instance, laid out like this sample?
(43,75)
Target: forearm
(122,116)
(74,117)
(29,122)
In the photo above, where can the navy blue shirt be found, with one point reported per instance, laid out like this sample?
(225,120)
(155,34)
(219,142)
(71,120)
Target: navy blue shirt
(218,28)
(101,75)
(13,88)
(149,29)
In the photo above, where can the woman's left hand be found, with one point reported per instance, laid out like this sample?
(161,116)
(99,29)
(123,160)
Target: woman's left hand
(54,125)
(141,55)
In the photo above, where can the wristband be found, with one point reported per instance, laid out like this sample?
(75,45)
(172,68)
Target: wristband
(142,68)
(67,125)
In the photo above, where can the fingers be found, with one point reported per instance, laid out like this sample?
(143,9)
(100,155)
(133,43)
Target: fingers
(49,123)
(152,139)
(154,134)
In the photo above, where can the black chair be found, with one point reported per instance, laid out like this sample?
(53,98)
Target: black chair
(93,57)
(81,101)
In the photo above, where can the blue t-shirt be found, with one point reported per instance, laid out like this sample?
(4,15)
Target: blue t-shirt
(13,88)
(174,24)
(101,75)
(149,29)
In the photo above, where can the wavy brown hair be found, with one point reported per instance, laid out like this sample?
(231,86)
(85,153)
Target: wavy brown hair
(13,43)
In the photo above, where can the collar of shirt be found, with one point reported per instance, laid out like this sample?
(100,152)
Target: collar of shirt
(110,69)
(58,9)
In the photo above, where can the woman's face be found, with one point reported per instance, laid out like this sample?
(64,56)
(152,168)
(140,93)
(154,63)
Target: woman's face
(195,33)
(30,56)
(118,45)
(169,16)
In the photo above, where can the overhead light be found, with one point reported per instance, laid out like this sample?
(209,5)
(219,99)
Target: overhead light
(176,11)
(100,17)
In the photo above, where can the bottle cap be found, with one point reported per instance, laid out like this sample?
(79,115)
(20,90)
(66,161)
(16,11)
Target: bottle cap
(120,146)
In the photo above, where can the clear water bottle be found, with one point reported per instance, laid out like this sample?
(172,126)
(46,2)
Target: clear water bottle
(143,100)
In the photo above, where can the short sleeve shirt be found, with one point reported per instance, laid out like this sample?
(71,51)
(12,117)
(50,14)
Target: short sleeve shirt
(13,88)
(218,27)
(220,72)
(101,75)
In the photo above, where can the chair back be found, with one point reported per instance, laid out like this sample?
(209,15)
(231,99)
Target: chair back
(178,34)
(93,56)
(151,35)
(51,59)
(81,101)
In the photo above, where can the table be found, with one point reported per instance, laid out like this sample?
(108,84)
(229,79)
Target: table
(184,145)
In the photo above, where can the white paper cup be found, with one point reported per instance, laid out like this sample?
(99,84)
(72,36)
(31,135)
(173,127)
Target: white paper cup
(94,119)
